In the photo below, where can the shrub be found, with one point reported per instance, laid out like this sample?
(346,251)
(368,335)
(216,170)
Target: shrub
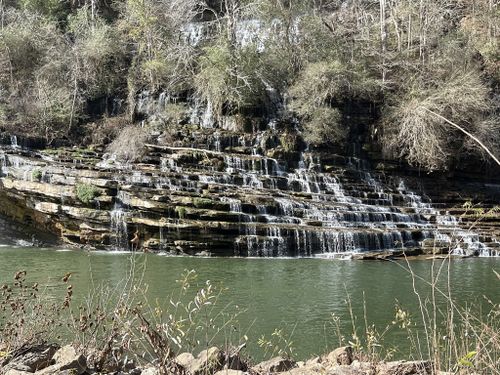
(228,77)
(30,315)
(203,203)
(181,212)
(104,131)
(319,89)
(324,126)
(87,193)
(129,146)
(411,131)
(36,175)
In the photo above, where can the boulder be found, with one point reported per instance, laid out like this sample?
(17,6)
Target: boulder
(33,359)
(322,368)
(405,368)
(208,361)
(13,371)
(234,361)
(66,358)
(313,361)
(341,356)
(230,372)
(185,359)
(150,371)
(277,364)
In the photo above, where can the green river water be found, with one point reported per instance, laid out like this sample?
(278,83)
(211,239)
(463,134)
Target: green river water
(296,295)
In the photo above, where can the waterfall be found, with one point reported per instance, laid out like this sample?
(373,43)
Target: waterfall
(461,241)
(4,170)
(234,204)
(13,141)
(119,227)
(259,200)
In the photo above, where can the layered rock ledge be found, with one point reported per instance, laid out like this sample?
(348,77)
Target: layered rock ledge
(225,193)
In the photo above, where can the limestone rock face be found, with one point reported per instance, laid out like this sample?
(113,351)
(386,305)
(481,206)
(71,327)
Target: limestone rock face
(244,192)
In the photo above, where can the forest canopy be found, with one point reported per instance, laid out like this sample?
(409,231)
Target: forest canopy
(417,62)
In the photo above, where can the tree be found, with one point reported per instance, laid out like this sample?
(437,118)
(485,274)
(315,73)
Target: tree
(413,131)
(320,91)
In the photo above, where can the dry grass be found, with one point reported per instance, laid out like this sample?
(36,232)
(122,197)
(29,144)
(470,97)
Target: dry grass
(129,146)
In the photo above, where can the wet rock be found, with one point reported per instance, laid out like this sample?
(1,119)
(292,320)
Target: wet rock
(204,254)
(341,356)
(277,364)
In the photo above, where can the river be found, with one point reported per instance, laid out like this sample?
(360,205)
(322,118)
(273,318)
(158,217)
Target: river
(298,296)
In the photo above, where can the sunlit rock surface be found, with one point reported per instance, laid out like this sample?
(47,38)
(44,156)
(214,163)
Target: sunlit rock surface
(258,193)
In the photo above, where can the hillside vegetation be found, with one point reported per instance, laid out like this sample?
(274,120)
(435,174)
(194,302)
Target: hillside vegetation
(72,70)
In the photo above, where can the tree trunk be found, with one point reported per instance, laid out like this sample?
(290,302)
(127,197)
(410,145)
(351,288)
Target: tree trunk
(1,13)
(383,35)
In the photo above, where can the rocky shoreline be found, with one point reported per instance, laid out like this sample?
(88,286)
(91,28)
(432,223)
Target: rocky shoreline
(48,359)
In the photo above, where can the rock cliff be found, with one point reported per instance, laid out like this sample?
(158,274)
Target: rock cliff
(254,192)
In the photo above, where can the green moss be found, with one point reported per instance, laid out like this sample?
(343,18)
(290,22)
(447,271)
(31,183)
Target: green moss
(87,193)
(181,212)
(203,203)
(36,175)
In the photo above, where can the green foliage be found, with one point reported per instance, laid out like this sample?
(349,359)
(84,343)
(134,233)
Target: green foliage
(324,125)
(54,9)
(87,193)
(279,344)
(98,55)
(181,212)
(321,86)
(161,58)
(228,77)
(466,360)
(59,60)
(203,203)
(213,80)
(36,175)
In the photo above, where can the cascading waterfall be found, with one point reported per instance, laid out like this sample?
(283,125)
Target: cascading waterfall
(330,221)
(119,227)
(4,171)
(13,141)
(237,189)
(461,241)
